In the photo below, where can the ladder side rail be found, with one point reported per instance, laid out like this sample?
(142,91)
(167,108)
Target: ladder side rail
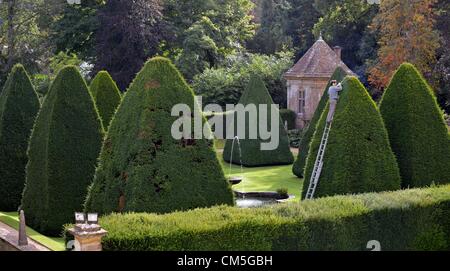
(318,165)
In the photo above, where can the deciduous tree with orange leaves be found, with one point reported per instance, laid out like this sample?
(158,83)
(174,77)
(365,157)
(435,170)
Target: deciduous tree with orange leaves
(407,33)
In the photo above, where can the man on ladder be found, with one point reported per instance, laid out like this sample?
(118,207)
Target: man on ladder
(333,93)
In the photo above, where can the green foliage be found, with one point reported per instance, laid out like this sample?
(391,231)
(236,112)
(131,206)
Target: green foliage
(358,157)
(232,17)
(299,164)
(28,43)
(63,151)
(106,95)
(270,36)
(42,81)
(301,19)
(204,33)
(19,106)
(256,94)
(200,51)
(295,137)
(145,169)
(288,116)
(283,192)
(225,85)
(402,220)
(416,128)
(284,24)
(61,60)
(345,23)
(72,31)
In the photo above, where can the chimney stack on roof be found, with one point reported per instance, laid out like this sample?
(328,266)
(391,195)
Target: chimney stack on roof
(338,51)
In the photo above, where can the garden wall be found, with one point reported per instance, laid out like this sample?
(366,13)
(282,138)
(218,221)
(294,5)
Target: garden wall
(416,219)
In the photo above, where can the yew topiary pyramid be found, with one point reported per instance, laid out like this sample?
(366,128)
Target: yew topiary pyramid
(256,93)
(64,147)
(19,105)
(142,167)
(358,157)
(416,128)
(299,164)
(106,95)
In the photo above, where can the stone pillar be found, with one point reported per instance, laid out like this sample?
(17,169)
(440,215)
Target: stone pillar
(23,239)
(88,237)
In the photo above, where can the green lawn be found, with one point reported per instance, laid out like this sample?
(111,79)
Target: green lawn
(261,179)
(56,244)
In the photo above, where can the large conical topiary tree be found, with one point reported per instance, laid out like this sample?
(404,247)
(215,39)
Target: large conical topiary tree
(251,153)
(63,151)
(19,105)
(358,157)
(106,95)
(308,133)
(416,128)
(142,167)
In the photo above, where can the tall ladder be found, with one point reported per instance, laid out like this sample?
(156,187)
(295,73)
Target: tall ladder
(318,165)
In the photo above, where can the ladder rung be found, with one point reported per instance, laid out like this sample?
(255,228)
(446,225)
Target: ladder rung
(318,165)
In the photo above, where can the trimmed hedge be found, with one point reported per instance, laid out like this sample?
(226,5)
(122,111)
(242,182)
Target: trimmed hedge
(288,116)
(416,128)
(19,105)
(106,95)
(416,219)
(142,167)
(358,157)
(300,162)
(252,155)
(63,151)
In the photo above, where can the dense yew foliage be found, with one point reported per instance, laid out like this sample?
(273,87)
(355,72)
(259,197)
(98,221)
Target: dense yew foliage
(142,167)
(63,152)
(335,223)
(358,157)
(416,128)
(299,165)
(251,153)
(106,96)
(19,106)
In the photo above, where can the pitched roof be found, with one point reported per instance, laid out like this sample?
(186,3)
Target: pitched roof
(319,61)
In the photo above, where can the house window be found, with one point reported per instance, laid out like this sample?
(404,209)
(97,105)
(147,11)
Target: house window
(301,101)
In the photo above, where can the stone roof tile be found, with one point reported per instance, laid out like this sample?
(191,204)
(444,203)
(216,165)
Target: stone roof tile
(319,61)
